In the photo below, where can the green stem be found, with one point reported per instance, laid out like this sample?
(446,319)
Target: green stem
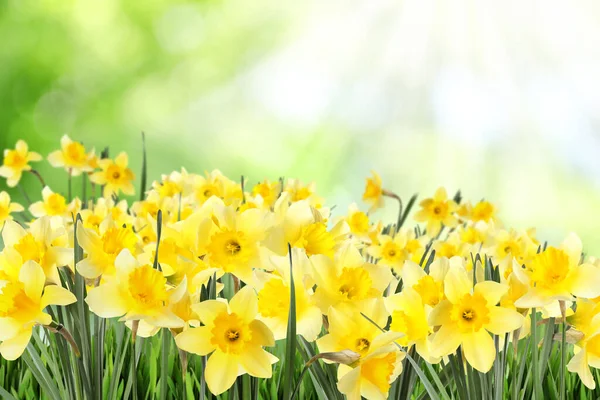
(537,386)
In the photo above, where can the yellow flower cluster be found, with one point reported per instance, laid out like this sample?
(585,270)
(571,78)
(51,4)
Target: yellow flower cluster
(147,263)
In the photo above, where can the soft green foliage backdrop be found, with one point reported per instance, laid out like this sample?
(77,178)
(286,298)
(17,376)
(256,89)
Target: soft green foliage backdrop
(499,101)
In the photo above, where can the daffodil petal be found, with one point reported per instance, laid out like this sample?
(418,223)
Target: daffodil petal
(9,327)
(349,382)
(245,304)
(195,340)
(56,295)
(585,281)
(479,349)
(106,301)
(12,349)
(579,365)
(446,341)
(456,284)
(221,371)
(491,291)
(256,362)
(503,320)
(209,309)
(33,278)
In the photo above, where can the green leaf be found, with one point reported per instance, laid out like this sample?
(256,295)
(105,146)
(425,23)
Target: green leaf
(290,348)
(144,169)
(164,366)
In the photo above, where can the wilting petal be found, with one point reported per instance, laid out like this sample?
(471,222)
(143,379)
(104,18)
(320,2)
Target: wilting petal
(33,278)
(585,281)
(13,348)
(256,362)
(57,295)
(106,301)
(579,365)
(504,320)
(479,349)
(245,304)
(195,340)
(221,371)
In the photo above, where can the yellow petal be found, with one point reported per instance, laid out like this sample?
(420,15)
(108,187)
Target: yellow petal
(479,350)
(56,159)
(221,371)
(13,348)
(503,320)
(573,247)
(209,309)
(310,323)
(349,383)
(411,273)
(585,281)
(491,291)
(261,334)
(245,304)
(12,233)
(122,160)
(9,327)
(56,295)
(195,340)
(440,315)
(88,239)
(579,365)
(446,341)
(89,269)
(456,283)
(256,362)
(106,301)
(33,278)
(534,297)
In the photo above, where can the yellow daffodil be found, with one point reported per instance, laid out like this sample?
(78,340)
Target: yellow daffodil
(115,176)
(358,222)
(7,208)
(43,243)
(373,193)
(274,297)
(268,191)
(437,212)
(16,161)
(347,279)
(53,204)
(429,286)
(299,191)
(137,292)
(390,251)
(22,304)
(102,248)
(468,316)
(235,338)
(586,336)
(218,185)
(380,361)
(556,274)
(72,157)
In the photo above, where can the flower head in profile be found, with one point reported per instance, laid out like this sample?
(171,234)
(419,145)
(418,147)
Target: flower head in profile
(7,208)
(115,176)
(22,304)
(137,292)
(467,317)
(437,211)
(71,156)
(373,193)
(16,161)
(233,337)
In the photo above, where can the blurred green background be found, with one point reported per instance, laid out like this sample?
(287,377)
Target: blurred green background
(499,99)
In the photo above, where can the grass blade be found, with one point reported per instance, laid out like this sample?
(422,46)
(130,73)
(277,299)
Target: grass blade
(290,344)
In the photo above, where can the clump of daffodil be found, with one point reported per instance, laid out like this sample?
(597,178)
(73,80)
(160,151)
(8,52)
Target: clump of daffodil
(103,247)
(136,292)
(115,176)
(467,317)
(379,360)
(72,157)
(233,337)
(16,161)
(556,274)
(43,242)
(22,304)
(437,211)
(347,279)
(7,208)
(274,297)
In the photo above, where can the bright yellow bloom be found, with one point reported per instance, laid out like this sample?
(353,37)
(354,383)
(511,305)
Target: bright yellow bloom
(586,333)
(137,292)
(429,287)
(235,338)
(7,208)
(409,316)
(53,204)
(467,317)
(380,360)
(72,157)
(453,246)
(555,274)
(437,211)
(269,191)
(391,251)
(42,242)
(16,161)
(274,297)
(218,185)
(106,208)
(299,191)
(347,279)
(22,304)
(373,194)
(115,176)
(358,222)
(103,248)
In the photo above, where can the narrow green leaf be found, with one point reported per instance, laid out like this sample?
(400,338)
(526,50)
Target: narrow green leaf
(164,366)
(144,169)
(290,351)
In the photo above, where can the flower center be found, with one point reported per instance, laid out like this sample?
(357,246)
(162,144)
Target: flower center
(15,160)
(362,345)
(29,249)
(233,247)
(147,288)
(232,335)
(355,283)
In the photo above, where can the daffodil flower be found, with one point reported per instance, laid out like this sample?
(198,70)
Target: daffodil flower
(437,211)
(52,205)
(16,161)
(556,274)
(233,337)
(7,208)
(136,292)
(115,176)
(22,304)
(72,157)
(586,322)
(373,193)
(468,316)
